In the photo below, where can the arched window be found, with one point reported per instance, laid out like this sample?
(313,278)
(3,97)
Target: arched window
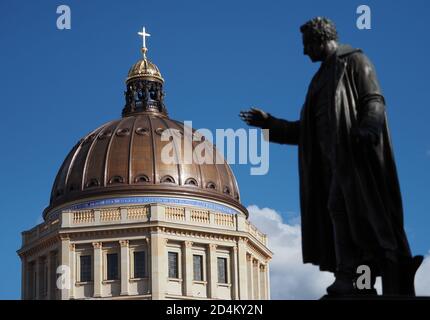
(116,180)
(143,178)
(92,183)
(167,179)
(211,185)
(191,182)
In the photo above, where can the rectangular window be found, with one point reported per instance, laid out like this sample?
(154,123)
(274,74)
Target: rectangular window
(173,265)
(198,267)
(112,266)
(86,269)
(139,264)
(222,270)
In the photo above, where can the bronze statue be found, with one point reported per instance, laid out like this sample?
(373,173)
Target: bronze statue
(351,206)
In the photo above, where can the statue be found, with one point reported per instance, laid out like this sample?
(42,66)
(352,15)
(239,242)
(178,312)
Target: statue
(351,206)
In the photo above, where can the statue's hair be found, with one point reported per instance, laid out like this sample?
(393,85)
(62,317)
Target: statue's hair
(320,29)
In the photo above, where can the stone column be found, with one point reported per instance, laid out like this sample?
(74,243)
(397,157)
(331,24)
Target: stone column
(235,274)
(242,269)
(263,295)
(256,269)
(24,278)
(251,277)
(148,265)
(49,275)
(98,269)
(267,281)
(72,270)
(65,262)
(213,276)
(158,264)
(188,267)
(125,267)
(56,293)
(39,271)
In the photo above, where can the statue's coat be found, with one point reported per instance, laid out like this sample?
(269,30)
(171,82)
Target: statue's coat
(367,173)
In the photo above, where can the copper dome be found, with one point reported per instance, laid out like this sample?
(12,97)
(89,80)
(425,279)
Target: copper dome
(123,157)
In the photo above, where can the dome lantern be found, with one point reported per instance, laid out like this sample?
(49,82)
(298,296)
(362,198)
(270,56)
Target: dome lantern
(144,86)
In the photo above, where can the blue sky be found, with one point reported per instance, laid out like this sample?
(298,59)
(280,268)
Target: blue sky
(217,58)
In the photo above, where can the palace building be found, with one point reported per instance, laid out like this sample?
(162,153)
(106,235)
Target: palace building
(123,224)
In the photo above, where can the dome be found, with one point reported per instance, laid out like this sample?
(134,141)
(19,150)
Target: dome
(123,157)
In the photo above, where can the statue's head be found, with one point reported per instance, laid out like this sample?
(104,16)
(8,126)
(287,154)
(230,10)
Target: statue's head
(318,34)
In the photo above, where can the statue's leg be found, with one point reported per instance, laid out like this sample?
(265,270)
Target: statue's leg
(391,274)
(346,251)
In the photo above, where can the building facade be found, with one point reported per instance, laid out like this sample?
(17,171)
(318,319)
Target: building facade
(123,223)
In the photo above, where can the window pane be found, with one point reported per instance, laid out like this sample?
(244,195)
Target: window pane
(173,265)
(139,264)
(222,270)
(85,268)
(112,266)
(198,267)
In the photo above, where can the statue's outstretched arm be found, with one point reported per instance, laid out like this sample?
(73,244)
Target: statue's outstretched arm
(280,130)
(283,131)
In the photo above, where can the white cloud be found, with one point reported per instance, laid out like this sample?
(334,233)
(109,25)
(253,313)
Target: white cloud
(289,277)
(422,278)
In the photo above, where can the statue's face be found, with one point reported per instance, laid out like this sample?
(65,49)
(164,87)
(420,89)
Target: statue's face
(311,48)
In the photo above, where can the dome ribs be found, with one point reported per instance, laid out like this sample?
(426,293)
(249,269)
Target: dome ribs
(189,171)
(130,151)
(118,153)
(76,168)
(219,180)
(85,178)
(179,161)
(60,179)
(151,129)
(235,190)
(142,160)
(163,169)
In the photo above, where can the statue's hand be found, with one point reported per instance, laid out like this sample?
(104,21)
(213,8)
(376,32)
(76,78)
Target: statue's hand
(254,117)
(364,137)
